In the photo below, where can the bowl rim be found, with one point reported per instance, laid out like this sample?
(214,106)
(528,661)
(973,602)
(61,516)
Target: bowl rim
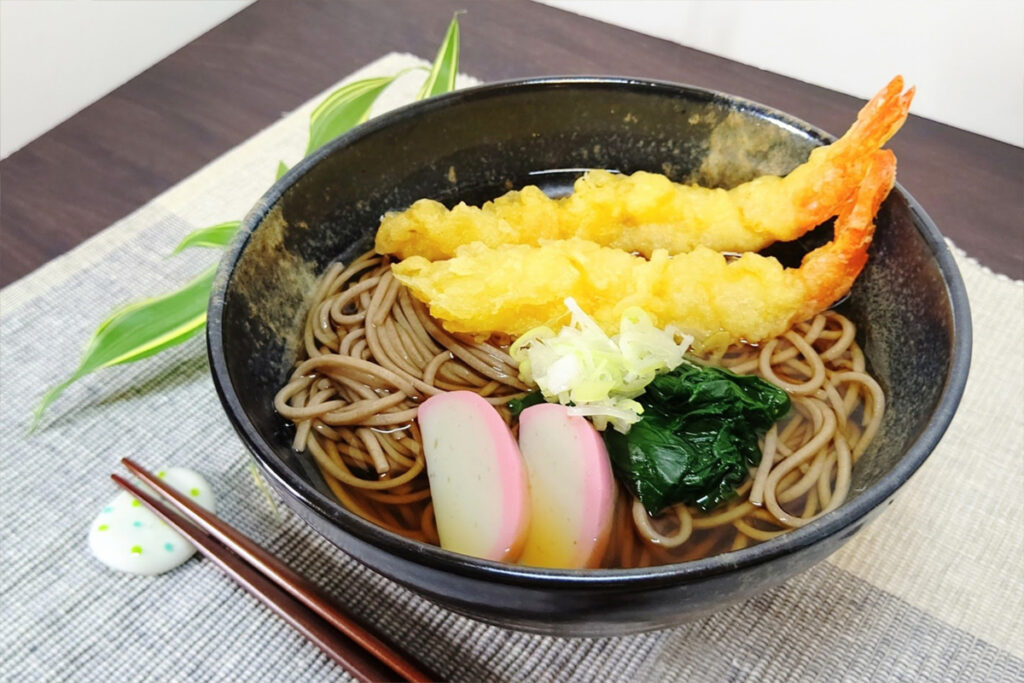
(437,558)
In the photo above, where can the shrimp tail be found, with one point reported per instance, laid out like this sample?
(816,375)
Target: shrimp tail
(829,271)
(879,119)
(832,175)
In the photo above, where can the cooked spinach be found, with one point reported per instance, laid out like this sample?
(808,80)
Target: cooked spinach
(697,437)
(518,405)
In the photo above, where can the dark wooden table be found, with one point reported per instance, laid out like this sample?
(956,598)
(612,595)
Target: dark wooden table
(217,91)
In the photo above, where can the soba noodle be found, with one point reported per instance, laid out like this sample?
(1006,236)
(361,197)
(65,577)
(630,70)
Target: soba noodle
(372,353)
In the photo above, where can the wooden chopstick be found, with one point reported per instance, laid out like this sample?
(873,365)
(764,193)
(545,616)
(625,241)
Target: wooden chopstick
(288,594)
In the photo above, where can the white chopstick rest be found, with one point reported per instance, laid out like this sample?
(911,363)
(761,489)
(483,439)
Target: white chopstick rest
(128,537)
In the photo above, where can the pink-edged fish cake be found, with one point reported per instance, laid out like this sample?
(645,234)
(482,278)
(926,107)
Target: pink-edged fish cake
(478,481)
(572,490)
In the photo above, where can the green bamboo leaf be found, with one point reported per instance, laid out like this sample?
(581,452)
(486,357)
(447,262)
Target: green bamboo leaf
(138,331)
(215,236)
(343,109)
(282,168)
(446,65)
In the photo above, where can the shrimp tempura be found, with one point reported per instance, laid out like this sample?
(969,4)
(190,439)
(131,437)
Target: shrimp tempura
(514,288)
(644,212)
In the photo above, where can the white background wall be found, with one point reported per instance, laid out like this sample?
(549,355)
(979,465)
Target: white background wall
(967,58)
(58,56)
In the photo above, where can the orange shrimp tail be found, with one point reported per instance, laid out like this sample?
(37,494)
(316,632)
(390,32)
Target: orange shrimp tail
(834,173)
(878,121)
(829,271)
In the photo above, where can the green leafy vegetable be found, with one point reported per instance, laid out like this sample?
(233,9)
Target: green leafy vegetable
(518,405)
(446,65)
(697,437)
(215,236)
(150,326)
(139,331)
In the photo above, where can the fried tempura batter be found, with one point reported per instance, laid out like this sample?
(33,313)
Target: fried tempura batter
(644,212)
(513,288)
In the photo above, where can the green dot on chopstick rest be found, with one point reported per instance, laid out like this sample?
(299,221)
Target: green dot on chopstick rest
(102,527)
(136,550)
(194,492)
(136,503)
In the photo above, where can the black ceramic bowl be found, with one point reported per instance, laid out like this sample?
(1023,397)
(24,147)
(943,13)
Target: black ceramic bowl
(475,144)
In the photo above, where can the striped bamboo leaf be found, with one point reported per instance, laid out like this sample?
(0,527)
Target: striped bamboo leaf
(138,331)
(215,236)
(446,65)
(343,109)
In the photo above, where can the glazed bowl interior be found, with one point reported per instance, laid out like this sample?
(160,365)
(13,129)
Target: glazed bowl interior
(475,145)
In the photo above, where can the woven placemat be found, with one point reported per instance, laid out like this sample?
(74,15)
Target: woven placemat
(933,589)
